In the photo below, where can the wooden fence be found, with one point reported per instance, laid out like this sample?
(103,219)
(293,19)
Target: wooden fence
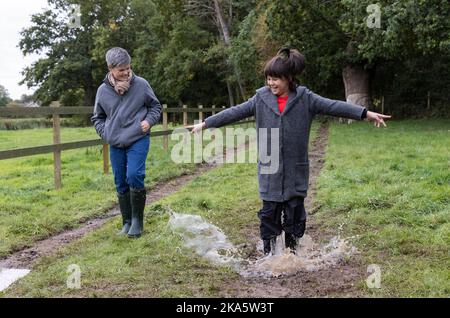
(55,110)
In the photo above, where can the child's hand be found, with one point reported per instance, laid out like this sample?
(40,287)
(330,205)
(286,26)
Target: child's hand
(377,119)
(196,128)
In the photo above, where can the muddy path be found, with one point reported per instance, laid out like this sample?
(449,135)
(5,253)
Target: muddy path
(25,258)
(339,280)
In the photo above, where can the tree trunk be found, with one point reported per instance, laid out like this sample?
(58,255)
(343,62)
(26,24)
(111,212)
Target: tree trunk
(357,87)
(222,23)
(230,94)
(89,100)
(239,82)
(89,96)
(223,29)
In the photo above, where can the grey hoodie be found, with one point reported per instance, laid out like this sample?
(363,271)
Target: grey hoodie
(291,178)
(117,119)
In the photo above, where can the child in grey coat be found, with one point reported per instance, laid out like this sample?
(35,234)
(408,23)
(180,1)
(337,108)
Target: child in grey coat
(287,109)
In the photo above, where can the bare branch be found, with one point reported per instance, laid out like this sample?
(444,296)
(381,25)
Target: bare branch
(199,7)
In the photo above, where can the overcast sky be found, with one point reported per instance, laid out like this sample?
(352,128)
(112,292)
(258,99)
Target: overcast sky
(16,14)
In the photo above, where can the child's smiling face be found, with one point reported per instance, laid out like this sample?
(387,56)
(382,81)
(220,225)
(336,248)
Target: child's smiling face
(278,86)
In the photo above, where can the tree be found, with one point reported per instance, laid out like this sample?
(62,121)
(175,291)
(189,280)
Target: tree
(172,52)
(25,99)
(338,41)
(168,47)
(4,96)
(72,67)
(223,20)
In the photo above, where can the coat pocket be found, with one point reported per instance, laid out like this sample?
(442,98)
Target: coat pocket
(301,176)
(133,127)
(106,130)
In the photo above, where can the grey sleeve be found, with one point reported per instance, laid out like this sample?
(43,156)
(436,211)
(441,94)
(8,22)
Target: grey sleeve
(322,105)
(153,105)
(233,114)
(99,117)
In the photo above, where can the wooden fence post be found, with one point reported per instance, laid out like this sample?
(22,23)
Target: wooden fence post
(56,140)
(165,127)
(185,116)
(200,113)
(213,137)
(105,159)
(429,100)
(382,104)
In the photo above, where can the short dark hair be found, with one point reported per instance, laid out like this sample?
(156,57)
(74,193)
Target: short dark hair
(288,63)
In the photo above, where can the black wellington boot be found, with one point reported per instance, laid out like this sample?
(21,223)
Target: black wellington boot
(269,246)
(125,210)
(137,198)
(291,242)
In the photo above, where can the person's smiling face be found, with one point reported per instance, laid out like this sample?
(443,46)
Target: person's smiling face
(121,72)
(278,86)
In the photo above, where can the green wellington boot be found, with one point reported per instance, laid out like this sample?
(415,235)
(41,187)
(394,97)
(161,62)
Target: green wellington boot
(125,210)
(137,208)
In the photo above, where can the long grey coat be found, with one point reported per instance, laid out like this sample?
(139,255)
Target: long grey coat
(291,178)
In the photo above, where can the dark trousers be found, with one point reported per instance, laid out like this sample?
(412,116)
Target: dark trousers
(288,216)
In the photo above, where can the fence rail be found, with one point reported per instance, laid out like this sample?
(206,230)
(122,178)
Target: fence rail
(55,111)
(24,152)
(44,111)
(86,110)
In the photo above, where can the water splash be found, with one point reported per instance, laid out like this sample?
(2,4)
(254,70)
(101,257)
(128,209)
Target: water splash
(208,241)
(309,257)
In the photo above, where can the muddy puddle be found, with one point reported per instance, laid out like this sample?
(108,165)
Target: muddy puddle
(208,241)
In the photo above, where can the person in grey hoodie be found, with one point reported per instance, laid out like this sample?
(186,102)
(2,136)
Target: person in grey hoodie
(283,109)
(125,110)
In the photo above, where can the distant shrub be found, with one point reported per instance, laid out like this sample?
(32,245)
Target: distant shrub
(32,123)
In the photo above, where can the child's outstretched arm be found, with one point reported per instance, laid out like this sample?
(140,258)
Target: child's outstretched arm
(227,116)
(322,105)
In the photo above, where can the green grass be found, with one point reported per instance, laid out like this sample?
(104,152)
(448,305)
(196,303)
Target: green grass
(30,207)
(391,187)
(388,187)
(157,264)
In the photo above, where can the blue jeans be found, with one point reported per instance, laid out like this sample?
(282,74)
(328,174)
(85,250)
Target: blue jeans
(128,165)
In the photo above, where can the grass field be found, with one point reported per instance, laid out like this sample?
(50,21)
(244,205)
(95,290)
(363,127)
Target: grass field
(391,188)
(387,187)
(155,265)
(30,207)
